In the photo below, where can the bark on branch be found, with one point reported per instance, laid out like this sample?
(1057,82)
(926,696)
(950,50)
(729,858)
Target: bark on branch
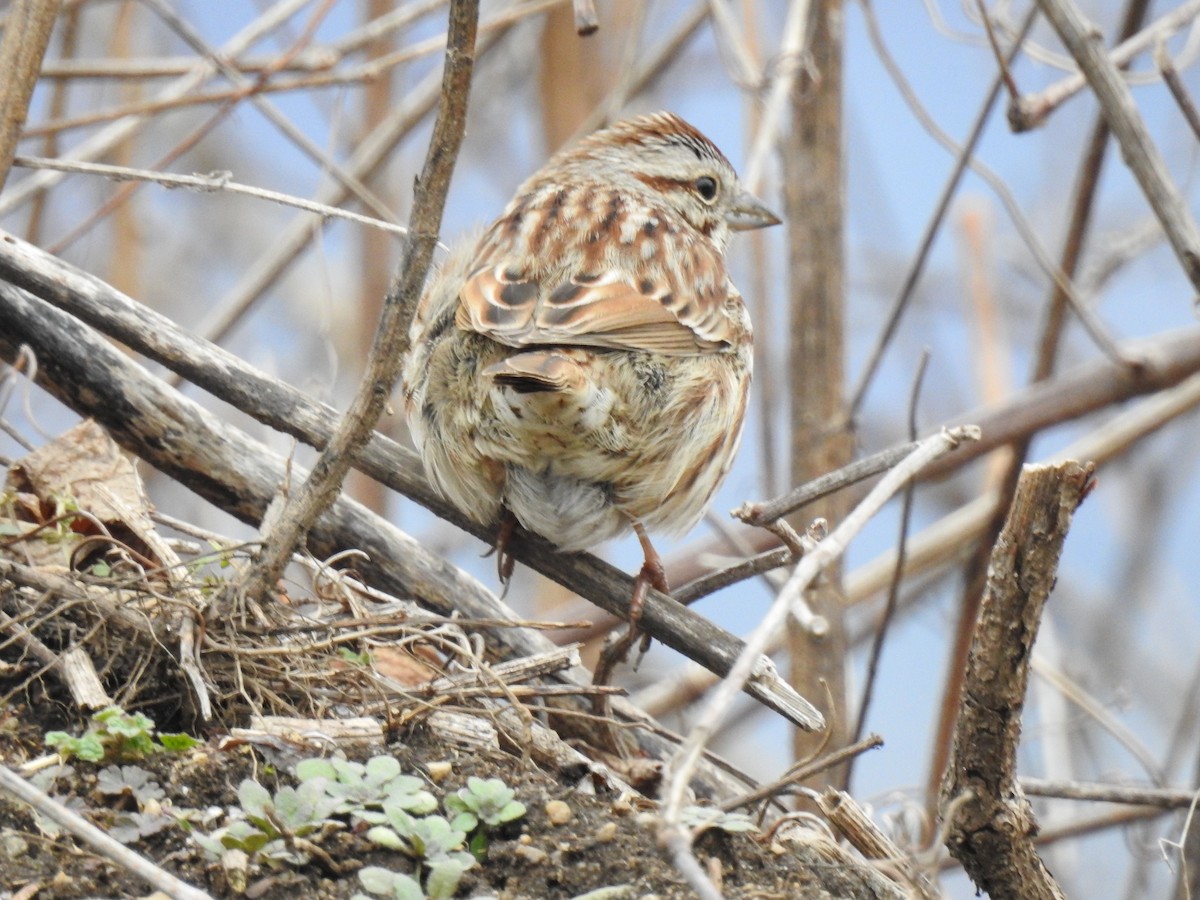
(990,823)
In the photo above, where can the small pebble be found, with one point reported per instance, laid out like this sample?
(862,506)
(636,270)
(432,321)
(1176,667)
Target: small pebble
(623,805)
(12,845)
(606,832)
(439,770)
(558,812)
(533,855)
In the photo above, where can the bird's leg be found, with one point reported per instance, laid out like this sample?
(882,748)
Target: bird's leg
(652,575)
(505,561)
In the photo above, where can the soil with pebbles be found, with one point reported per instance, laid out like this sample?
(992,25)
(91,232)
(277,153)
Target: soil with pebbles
(593,843)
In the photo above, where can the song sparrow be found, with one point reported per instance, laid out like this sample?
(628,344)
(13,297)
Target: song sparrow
(585,363)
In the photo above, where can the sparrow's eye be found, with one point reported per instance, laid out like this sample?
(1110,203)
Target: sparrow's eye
(706,187)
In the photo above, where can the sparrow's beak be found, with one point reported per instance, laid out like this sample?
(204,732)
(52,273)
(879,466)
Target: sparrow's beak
(748,212)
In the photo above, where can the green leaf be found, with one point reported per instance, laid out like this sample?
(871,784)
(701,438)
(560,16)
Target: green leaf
(465,822)
(399,819)
(59,739)
(178,743)
(443,879)
(315,768)
(134,725)
(376,879)
(479,845)
(385,837)
(511,811)
(133,780)
(210,844)
(246,838)
(253,797)
(88,747)
(490,800)
(382,768)
(348,772)
(358,659)
(290,809)
(390,884)
(408,792)
(433,837)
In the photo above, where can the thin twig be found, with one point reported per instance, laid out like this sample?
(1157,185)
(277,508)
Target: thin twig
(653,64)
(1163,798)
(1091,323)
(804,771)
(311,59)
(350,75)
(788,65)
(249,88)
(214,182)
(1137,148)
(1170,75)
(732,45)
(941,543)
(103,141)
(764,512)
(586,20)
(316,494)
(685,760)
(369,153)
(1083,200)
(1033,109)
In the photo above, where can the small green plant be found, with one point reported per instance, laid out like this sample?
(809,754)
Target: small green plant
(356,659)
(489,802)
(271,825)
(360,789)
(484,804)
(117,736)
(432,841)
(128,781)
(282,829)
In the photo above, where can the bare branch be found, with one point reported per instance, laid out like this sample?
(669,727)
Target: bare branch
(215,182)
(1137,148)
(1032,109)
(1133,795)
(26,35)
(989,821)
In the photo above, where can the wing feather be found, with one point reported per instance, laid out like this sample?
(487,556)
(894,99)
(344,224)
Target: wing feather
(614,311)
